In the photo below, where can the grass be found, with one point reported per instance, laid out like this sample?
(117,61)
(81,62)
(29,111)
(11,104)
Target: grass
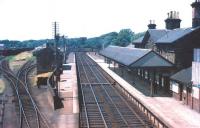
(21,56)
(2,86)
(16,61)
(10,58)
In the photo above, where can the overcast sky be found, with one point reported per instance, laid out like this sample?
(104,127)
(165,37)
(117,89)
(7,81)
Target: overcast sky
(32,19)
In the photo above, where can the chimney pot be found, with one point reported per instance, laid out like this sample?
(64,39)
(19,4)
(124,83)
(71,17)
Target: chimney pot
(152,24)
(173,21)
(174,15)
(177,15)
(171,14)
(196,13)
(168,15)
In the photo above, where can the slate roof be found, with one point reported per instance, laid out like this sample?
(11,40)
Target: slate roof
(175,34)
(183,76)
(124,55)
(155,34)
(135,57)
(139,40)
(152,60)
(160,36)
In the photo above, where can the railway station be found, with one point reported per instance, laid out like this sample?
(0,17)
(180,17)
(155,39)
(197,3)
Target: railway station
(178,46)
(143,62)
(69,83)
(93,94)
(174,113)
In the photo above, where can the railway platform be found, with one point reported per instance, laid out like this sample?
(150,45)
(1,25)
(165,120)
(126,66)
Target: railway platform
(167,109)
(68,117)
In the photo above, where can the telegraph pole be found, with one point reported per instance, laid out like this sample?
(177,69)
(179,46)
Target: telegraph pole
(57,100)
(56,39)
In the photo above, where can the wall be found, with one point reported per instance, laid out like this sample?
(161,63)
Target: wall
(174,87)
(196,98)
(189,96)
(184,49)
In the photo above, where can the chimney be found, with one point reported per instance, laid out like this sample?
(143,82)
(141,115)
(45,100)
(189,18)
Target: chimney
(196,13)
(173,21)
(152,24)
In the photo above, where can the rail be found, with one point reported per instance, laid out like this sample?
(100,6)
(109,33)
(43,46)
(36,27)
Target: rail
(158,123)
(112,105)
(28,109)
(154,119)
(94,98)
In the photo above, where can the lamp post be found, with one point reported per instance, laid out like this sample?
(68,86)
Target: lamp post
(65,47)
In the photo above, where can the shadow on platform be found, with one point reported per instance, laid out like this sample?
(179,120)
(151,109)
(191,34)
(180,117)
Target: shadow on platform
(140,84)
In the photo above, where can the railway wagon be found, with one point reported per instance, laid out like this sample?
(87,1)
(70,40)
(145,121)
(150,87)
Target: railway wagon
(46,62)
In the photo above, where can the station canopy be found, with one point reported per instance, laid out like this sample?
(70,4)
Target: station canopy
(135,57)
(183,76)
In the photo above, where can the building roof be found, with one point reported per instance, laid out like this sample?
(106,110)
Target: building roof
(38,52)
(175,34)
(124,55)
(154,35)
(162,36)
(135,57)
(139,40)
(183,76)
(152,60)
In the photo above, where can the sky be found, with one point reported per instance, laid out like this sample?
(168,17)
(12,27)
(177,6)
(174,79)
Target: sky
(33,19)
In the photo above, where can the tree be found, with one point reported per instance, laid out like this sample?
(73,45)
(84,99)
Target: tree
(138,35)
(124,37)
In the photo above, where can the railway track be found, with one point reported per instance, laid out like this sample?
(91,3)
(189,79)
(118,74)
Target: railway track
(29,115)
(103,105)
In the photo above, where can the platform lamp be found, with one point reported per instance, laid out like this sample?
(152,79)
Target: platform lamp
(56,39)
(65,47)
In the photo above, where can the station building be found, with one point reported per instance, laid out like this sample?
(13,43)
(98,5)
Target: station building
(174,47)
(144,62)
(177,45)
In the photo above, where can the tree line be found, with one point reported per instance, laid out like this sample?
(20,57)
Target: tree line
(122,38)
